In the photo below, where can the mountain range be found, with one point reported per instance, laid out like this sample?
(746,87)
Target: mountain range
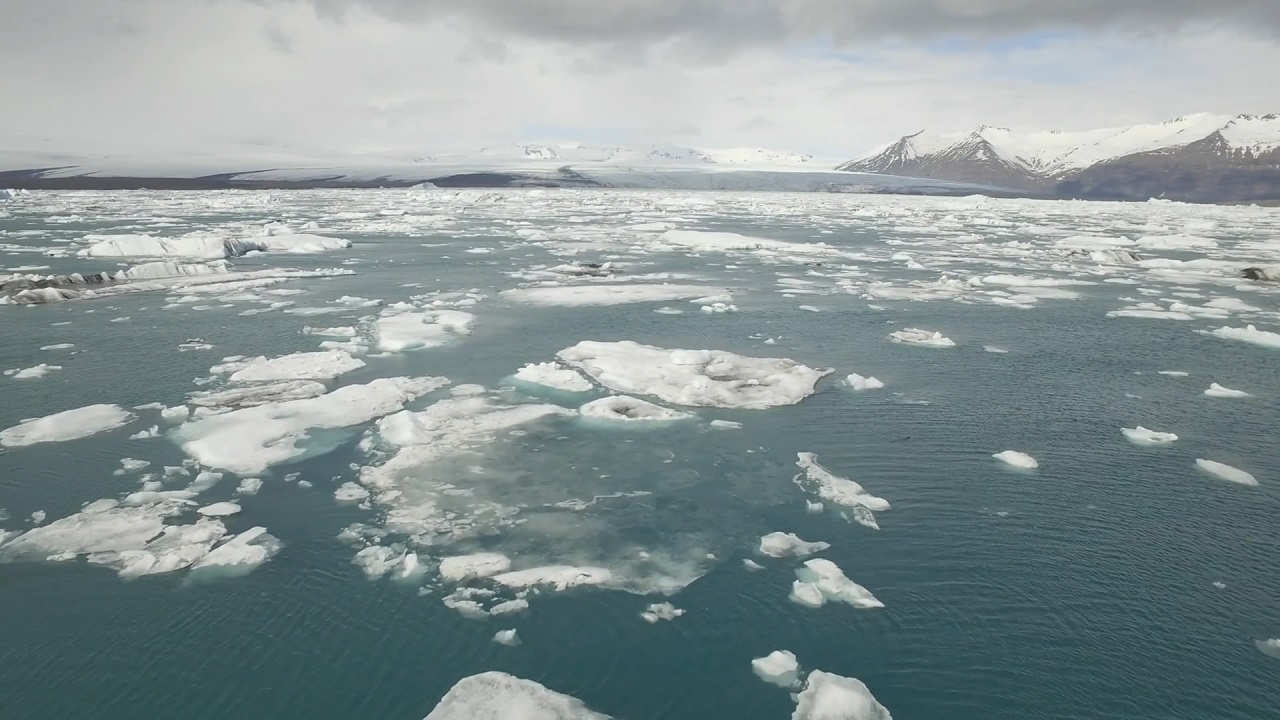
(1196,158)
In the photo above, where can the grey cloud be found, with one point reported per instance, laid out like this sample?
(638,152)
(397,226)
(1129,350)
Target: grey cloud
(718,23)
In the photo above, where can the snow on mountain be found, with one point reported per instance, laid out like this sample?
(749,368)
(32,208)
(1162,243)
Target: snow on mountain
(655,154)
(1053,154)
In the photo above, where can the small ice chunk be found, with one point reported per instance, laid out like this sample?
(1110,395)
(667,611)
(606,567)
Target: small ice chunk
(927,338)
(1017,459)
(404,327)
(1249,334)
(726,424)
(479,565)
(1143,436)
(859,382)
(249,486)
(499,696)
(779,545)
(836,489)
(66,425)
(1226,472)
(38,517)
(628,409)
(59,346)
(554,376)
(1270,648)
(778,667)
(996,350)
(350,492)
(751,565)
(149,433)
(833,697)
(560,577)
(509,607)
(128,465)
(221,509)
(322,365)
(661,611)
(240,555)
(506,637)
(1217,391)
(608,294)
(1219,585)
(1173,373)
(175,414)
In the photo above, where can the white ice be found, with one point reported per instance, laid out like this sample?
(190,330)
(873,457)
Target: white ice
(859,382)
(66,425)
(1226,472)
(221,509)
(32,373)
(1270,648)
(403,327)
(249,486)
(927,338)
(706,378)
(780,545)
(499,696)
(240,554)
(324,365)
(558,577)
(836,489)
(821,581)
(726,242)
(1217,391)
(621,408)
(554,376)
(833,697)
(506,637)
(1143,436)
(607,294)
(468,567)
(249,440)
(1017,459)
(1249,334)
(661,611)
(779,667)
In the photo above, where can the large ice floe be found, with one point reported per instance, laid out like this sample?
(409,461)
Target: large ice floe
(833,697)
(1143,436)
(499,696)
(405,326)
(66,425)
(205,246)
(324,365)
(1248,334)
(554,376)
(249,440)
(1226,472)
(821,581)
(777,668)
(699,378)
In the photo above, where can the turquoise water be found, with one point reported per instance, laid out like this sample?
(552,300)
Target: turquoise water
(1083,589)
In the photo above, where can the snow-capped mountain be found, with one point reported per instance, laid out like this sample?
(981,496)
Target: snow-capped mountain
(1197,157)
(655,154)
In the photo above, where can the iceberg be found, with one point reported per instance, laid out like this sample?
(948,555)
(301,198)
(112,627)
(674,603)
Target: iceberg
(460,568)
(822,581)
(620,408)
(499,696)
(1249,334)
(859,382)
(66,425)
(1143,436)
(833,488)
(661,611)
(506,637)
(1226,472)
(1017,459)
(201,246)
(833,697)
(323,365)
(1217,391)
(926,338)
(404,327)
(701,378)
(554,376)
(607,294)
(778,668)
(239,555)
(780,545)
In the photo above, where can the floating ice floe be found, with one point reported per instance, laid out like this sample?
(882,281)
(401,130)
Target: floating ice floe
(66,425)
(460,568)
(403,327)
(1270,648)
(780,545)
(702,378)
(554,376)
(833,697)
(621,408)
(507,637)
(1249,334)
(859,382)
(604,294)
(1017,459)
(916,336)
(839,490)
(249,440)
(239,555)
(661,611)
(1172,373)
(994,349)
(205,246)
(323,365)
(822,581)
(1217,391)
(1226,472)
(1143,436)
(726,242)
(32,373)
(221,509)
(499,696)
(249,486)
(253,395)
(778,668)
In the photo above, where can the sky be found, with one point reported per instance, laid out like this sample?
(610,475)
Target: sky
(415,78)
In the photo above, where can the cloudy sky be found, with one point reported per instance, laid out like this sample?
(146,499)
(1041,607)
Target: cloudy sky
(416,77)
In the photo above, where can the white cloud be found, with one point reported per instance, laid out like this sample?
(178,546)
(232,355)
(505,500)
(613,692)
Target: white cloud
(158,76)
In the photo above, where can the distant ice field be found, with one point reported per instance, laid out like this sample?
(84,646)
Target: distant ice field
(639,454)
